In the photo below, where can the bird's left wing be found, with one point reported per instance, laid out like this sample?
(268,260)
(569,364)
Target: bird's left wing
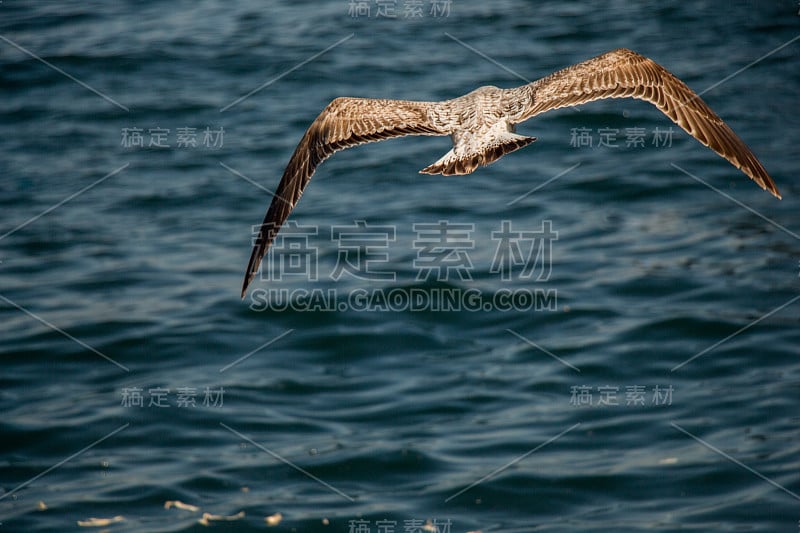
(345,122)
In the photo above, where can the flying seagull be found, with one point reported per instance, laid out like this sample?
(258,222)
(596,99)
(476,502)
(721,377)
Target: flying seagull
(481,125)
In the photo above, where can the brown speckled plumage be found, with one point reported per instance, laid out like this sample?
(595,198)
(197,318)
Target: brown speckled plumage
(481,125)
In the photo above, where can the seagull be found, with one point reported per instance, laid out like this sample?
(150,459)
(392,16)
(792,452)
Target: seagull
(482,124)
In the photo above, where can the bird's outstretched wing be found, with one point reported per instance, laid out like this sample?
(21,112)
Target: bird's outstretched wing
(345,122)
(623,73)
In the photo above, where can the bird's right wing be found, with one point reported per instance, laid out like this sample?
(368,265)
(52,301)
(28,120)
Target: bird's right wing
(623,73)
(344,123)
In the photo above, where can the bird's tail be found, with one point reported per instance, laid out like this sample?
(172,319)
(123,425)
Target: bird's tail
(453,163)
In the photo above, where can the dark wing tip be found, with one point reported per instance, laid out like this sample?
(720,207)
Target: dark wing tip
(773,189)
(252,267)
(247,280)
(269,228)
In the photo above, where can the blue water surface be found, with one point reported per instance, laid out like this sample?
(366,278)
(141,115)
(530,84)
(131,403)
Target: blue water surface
(625,360)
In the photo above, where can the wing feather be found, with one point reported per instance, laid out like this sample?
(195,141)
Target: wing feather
(344,123)
(623,73)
